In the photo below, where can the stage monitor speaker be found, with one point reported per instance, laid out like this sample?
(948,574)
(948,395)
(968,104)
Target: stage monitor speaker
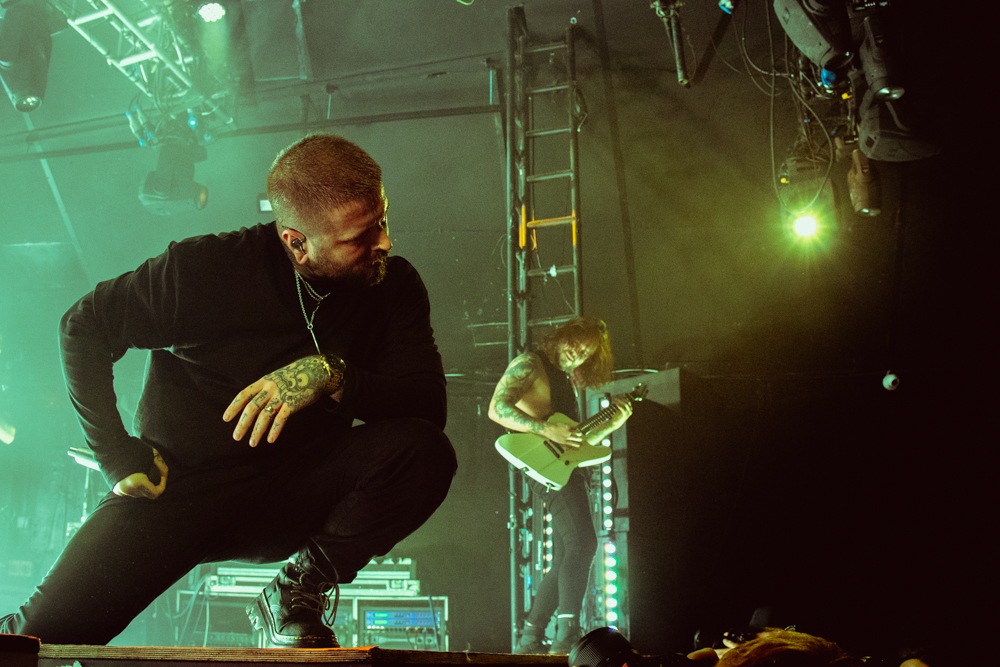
(650,522)
(651,528)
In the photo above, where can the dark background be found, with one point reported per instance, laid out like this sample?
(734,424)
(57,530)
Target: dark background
(787,475)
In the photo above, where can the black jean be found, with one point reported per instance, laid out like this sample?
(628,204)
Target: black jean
(574,543)
(369,490)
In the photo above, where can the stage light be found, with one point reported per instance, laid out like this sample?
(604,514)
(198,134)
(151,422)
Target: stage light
(263,203)
(878,60)
(210,12)
(7,431)
(807,198)
(171,188)
(805,225)
(25,52)
(820,29)
(863,186)
(890,381)
(894,131)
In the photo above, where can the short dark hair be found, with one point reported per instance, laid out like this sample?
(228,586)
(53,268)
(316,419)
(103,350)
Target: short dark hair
(318,173)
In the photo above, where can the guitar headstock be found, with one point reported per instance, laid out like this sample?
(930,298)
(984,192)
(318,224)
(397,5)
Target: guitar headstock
(638,393)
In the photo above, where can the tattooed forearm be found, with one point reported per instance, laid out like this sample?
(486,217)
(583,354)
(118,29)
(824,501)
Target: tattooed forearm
(517,420)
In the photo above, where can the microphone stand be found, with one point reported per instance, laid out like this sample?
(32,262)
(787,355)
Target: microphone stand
(669,14)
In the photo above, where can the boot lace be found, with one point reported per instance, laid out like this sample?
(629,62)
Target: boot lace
(315,599)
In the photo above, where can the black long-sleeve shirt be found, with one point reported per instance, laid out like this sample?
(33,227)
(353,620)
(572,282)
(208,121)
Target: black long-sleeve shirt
(218,312)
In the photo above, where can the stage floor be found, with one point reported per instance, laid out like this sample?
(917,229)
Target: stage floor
(64,655)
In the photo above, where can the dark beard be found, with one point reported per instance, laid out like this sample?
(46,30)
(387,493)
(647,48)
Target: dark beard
(373,275)
(380,267)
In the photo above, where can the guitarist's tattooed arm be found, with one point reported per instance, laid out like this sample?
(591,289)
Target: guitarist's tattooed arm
(521,402)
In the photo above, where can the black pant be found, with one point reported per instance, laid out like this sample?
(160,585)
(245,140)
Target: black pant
(371,488)
(574,543)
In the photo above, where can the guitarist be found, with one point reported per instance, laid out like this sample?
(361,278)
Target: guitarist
(574,356)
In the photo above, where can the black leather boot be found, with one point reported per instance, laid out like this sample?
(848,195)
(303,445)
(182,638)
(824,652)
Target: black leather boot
(567,635)
(289,611)
(531,640)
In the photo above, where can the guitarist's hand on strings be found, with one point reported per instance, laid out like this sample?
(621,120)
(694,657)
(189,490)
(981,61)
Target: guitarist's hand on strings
(564,434)
(620,410)
(624,406)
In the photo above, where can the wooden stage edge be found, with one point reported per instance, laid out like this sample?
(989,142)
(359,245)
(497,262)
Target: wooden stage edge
(79,655)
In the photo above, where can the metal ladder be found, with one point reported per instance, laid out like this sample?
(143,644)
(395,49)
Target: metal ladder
(544,111)
(543,115)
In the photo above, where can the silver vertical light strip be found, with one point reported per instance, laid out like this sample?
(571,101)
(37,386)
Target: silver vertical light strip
(74,240)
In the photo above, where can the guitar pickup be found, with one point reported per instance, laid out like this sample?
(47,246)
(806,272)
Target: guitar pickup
(554,447)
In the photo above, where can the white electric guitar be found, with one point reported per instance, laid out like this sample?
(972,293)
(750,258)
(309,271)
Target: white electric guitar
(551,463)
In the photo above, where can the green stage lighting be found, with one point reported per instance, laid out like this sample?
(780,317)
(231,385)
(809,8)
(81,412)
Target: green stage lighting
(210,12)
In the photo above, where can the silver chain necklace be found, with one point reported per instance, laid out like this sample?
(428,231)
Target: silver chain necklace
(316,296)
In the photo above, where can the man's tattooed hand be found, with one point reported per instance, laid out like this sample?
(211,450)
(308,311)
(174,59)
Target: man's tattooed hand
(267,404)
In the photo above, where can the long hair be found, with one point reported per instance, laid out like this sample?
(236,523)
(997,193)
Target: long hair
(597,369)
(787,648)
(318,173)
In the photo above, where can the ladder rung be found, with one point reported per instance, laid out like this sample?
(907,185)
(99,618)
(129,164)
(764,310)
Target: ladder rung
(556,270)
(137,58)
(560,319)
(486,324)
(531,134)
(551,222)
(490,343)
(90,17)
(539,48)
(550,176)
(559,87)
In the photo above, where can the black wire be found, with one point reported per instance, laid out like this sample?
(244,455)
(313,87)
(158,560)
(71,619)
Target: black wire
(198,590)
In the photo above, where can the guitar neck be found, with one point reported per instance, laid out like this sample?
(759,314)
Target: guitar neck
(600,419)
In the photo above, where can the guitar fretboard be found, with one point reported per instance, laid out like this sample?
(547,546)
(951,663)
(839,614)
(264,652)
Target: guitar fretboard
(607,413)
